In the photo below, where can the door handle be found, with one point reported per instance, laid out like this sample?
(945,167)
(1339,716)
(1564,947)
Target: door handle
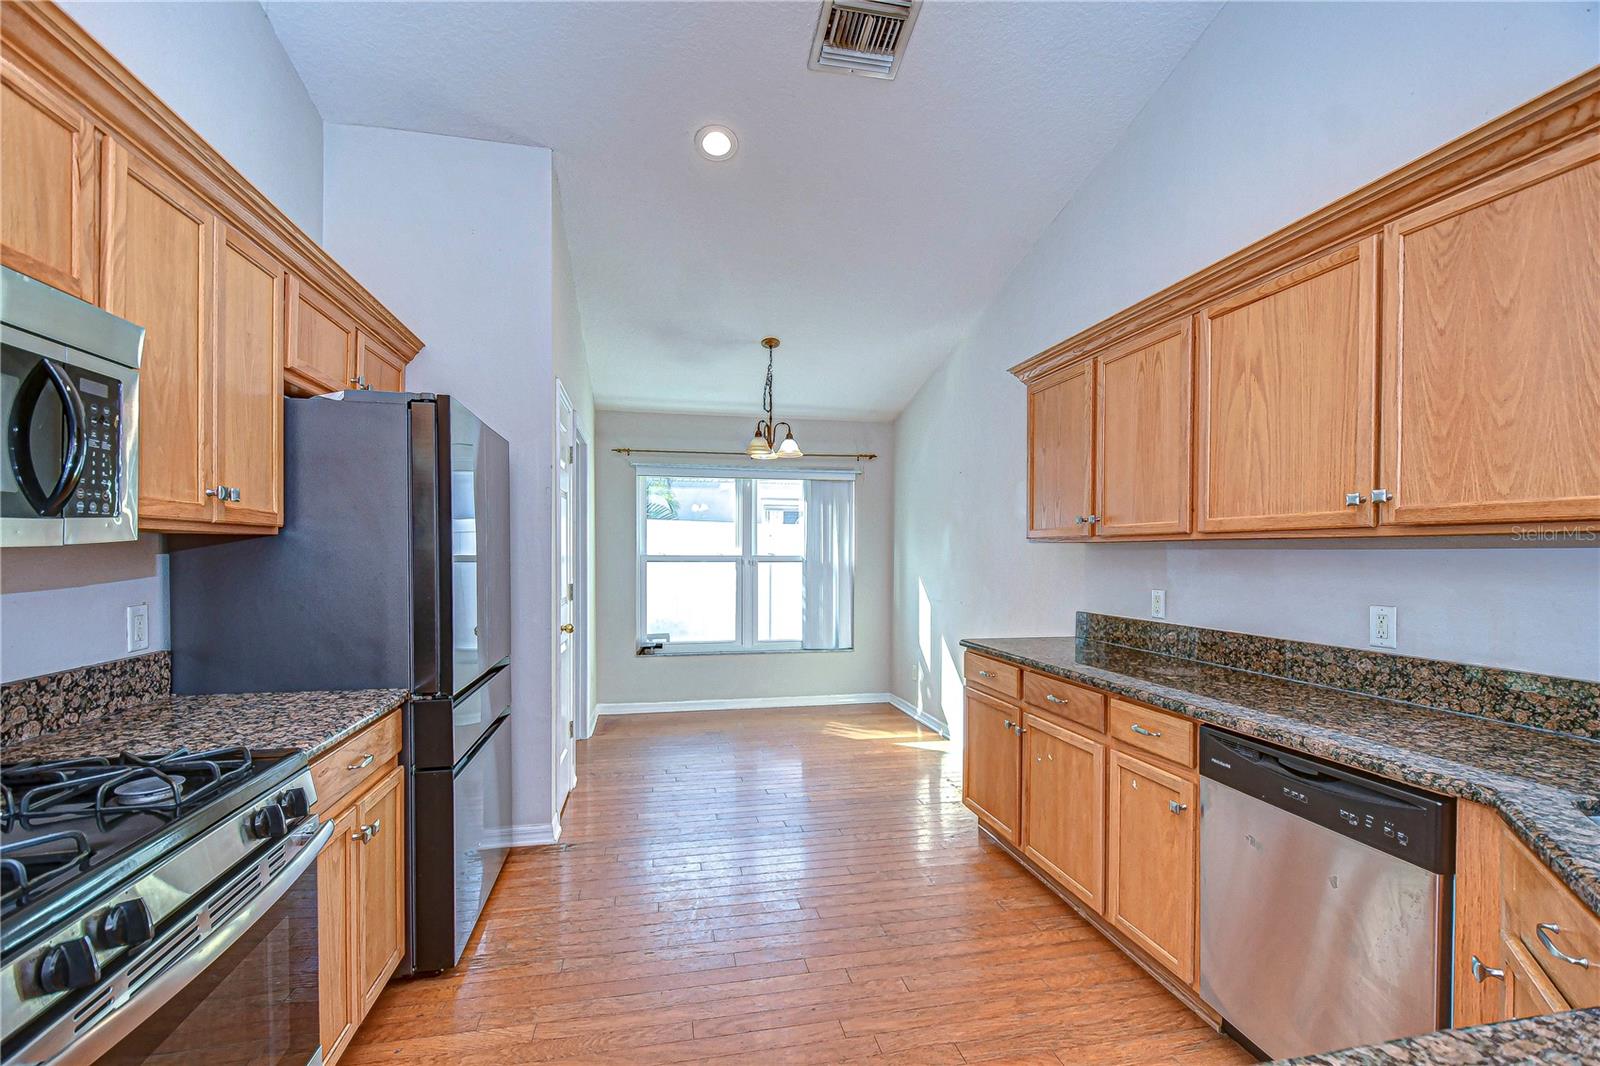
(361,763)
(1480,971)
(52,503)
(566,627)
(1544,931)
(1143,732)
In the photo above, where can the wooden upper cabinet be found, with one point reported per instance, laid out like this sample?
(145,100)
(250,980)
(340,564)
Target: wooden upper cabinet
(247,452)
(1151,877)
(159,273)
(992,778)
(1142,469)
(1287,401)
(1061,453)
(322,342)
(1491,377)
(1064,789)
(377,367)
(50,174)
(381,883)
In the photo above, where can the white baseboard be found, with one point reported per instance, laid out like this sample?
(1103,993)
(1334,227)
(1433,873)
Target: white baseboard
(765,702)
(928,721)
(748,703)
(529,835)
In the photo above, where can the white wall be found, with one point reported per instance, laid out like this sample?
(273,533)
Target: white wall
(1277,110)
(629,678)
(223,70)
(455,236)
(61,608)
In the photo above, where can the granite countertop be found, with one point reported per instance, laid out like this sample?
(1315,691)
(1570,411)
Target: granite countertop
(1543,784)
(310,721)
(1571,1038)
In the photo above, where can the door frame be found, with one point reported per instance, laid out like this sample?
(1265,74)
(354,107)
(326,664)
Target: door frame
(560,789)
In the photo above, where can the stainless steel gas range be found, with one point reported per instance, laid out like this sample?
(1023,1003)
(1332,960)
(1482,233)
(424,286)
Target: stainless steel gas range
(160,908)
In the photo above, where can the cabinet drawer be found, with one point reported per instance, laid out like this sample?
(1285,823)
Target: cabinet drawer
(1083,706)
(993,674)
(362,758)
(1535,902)
(1157,732)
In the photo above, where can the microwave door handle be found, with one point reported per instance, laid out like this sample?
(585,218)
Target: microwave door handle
(50,504)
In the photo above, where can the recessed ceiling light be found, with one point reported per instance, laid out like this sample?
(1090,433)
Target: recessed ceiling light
(716,142)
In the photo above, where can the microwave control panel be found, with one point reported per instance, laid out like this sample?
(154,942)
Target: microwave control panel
(100,487)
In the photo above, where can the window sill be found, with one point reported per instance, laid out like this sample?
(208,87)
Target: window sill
(682,651)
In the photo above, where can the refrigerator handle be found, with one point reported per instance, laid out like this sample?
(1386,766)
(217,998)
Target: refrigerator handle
(428,555)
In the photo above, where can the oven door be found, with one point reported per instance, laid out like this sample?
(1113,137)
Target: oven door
(236,982)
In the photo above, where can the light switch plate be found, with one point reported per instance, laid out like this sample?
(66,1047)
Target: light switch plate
(1382,623)
(1158,603)
(139,627)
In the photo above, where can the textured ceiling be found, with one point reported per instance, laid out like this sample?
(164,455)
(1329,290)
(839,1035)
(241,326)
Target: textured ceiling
(865,222)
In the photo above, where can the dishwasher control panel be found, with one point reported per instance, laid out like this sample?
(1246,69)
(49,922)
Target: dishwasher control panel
(1399,821)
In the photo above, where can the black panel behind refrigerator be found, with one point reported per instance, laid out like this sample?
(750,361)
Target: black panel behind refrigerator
(392,571)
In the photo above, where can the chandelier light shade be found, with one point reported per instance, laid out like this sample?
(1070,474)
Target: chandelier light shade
(765,444)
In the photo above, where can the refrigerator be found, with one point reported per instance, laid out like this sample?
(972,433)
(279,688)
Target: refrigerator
(392,570)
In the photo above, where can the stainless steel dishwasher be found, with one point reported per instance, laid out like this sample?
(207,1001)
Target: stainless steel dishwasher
(1325,900)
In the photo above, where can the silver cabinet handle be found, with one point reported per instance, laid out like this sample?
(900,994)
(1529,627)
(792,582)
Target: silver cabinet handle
(1382,496)
(1053,698)
(1354,499)
(367,832)
(1544,932)
(1143,732)
(1175,807)
(361,763)
(1093,519)
(984,673)
(220,492)
(1080,520)
(233,494)
(1480,971)
(360,381)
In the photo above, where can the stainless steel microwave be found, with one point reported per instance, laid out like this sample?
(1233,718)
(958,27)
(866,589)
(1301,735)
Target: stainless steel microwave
(70,398)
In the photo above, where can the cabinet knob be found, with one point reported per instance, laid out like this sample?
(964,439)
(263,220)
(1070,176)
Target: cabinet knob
(1175,807)
(220,492)
(1080,520)
(1382,496)
(1354,499)
(1480,971)
(367,832)
(360,381)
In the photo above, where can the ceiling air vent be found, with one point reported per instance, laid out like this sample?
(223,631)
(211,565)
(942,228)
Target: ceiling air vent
(863,36)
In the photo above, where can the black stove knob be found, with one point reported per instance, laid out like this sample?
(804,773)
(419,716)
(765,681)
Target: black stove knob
(294,803)
(124,925)
(69,965)
(269,823)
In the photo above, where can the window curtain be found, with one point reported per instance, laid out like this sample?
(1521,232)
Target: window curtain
(830,565)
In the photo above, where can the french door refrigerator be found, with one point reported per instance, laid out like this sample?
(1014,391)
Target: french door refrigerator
(392,570)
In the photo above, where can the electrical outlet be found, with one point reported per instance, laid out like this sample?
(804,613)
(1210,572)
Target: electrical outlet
(1381,625)
(139,627)
(1158,603)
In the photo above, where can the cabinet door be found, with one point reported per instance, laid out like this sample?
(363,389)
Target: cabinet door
(1528,991)
(248,442)
(1288,399)
(1063,818)
(1151,874)
(160,275)
(381,898)
(49,170)
(377,367)
(337,937)
(1492,349)
(1061,453)
(1142,469)
(322,342)
(992,781)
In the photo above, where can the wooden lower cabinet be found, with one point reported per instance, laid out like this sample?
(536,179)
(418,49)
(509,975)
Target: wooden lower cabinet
(1152,831)
(992,782)
(1063,818)
(361,903)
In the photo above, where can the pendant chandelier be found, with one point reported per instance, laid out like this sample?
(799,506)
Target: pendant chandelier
(765,444)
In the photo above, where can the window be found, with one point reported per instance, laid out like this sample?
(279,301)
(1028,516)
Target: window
(733,562)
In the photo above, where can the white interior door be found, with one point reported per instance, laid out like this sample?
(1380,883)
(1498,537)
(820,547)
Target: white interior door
(566,533)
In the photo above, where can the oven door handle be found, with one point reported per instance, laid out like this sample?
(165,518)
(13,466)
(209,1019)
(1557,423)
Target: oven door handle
(51,504)
(90,1045)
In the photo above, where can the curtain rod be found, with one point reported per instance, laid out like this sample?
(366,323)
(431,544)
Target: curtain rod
(859,456)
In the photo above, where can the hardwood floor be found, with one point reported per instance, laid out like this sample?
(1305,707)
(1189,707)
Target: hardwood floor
(788,886)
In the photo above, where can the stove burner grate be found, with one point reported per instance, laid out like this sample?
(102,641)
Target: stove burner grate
(167,785)
(30,866)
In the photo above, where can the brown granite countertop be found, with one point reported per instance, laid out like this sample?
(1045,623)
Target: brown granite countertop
(310,721)
(1568,1039)
(1543,784)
